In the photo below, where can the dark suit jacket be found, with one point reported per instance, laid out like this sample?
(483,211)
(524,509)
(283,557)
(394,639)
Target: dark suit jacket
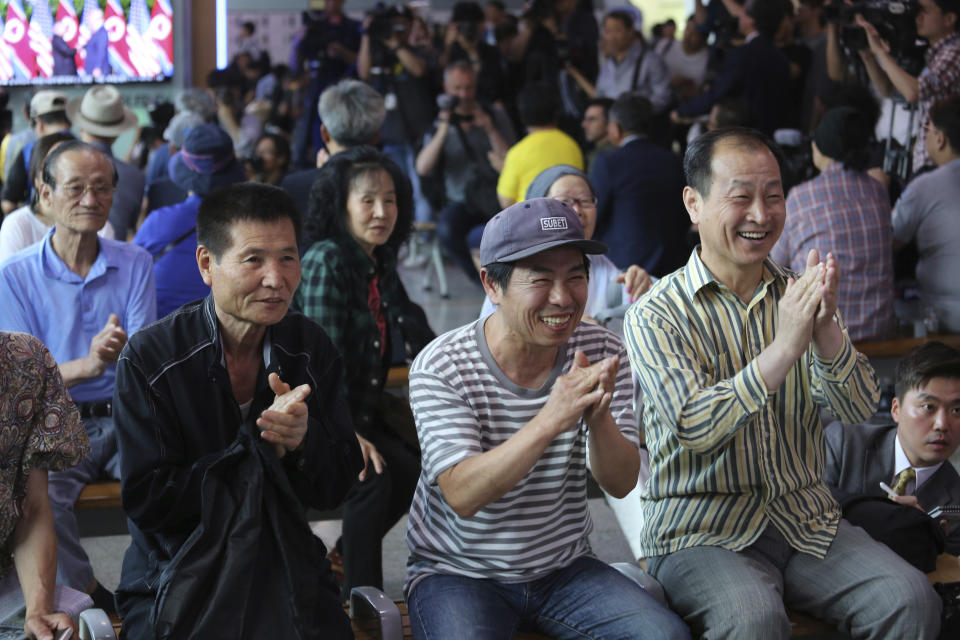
(640,212)
(758,74)
(298,185)
(860,456)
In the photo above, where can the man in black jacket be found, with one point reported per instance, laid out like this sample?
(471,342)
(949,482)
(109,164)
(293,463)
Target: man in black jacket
(189,388)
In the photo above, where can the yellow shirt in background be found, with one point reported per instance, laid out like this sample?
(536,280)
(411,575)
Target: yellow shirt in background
(536,152)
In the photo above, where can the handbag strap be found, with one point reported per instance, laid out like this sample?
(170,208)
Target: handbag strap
(170,246)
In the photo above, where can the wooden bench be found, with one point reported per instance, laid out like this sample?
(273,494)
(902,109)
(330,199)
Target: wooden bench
(900,346)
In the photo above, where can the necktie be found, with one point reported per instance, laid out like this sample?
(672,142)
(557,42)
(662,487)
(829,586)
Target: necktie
(905,476)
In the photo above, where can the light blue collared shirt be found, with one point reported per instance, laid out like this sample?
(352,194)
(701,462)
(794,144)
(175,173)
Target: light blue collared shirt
(39,295)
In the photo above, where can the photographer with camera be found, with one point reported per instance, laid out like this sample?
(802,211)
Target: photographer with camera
(468,142)
(462,41)
(938,22)
(325,53)
(400,72)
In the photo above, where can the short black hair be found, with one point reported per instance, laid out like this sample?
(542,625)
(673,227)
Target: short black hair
(249,27)
(539,105)
(39,155)
(731,112)
(698,160)
(328,196)
(854,95)
(54,117)
(929,360)
(633,112)
(945,116)
(50,163)
(243,201)
(622,16)
(950,6)
(766,14)
(499,273)
(604,103)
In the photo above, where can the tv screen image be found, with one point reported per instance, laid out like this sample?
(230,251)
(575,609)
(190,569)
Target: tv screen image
(85,41)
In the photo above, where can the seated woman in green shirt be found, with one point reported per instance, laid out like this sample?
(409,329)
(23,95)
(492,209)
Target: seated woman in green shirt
(361,210)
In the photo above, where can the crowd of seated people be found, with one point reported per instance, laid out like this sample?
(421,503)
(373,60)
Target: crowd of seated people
(223,303)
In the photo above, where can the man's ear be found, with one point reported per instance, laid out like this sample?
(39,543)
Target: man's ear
(950,18)
(324,134)
(940,142)
(46,197)
(693,202)
(204,263)
(614,133)
(895,410)
(493,291)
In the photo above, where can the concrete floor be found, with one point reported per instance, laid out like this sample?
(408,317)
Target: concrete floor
(462,306)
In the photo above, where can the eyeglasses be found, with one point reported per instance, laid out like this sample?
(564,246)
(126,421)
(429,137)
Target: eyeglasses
(585,203)
(99,191)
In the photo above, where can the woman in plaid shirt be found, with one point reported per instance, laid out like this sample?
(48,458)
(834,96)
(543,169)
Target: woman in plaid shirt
(361,209)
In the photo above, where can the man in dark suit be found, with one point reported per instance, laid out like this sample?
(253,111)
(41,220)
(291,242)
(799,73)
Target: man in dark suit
(914,452)
(640,214)
(757,73)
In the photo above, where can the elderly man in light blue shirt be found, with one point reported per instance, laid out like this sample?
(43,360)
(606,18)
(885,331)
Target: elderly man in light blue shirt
(81,295)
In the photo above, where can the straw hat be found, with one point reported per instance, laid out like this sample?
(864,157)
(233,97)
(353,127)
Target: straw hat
(101,112)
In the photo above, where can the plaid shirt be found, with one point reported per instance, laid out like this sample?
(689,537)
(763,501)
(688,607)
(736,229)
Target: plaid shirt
(939,79)
(848,213)
(334,293)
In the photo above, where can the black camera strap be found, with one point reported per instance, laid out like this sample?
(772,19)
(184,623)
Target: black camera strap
(636,69)
(465,141)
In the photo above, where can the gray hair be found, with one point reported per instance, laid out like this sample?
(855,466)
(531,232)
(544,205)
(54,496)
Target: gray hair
(353,112)
(459,65)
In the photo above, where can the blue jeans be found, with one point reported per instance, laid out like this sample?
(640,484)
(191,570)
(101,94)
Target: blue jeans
(587,599)
(861,586)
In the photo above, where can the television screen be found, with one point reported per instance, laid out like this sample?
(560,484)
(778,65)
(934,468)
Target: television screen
(85,41)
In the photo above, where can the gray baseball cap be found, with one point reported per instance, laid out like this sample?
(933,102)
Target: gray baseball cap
(529,227)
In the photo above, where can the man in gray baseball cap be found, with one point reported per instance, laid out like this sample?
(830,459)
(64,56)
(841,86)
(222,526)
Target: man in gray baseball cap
(505,407)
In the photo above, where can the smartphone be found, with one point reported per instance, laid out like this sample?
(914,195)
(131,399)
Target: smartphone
(950,513)
(66,634)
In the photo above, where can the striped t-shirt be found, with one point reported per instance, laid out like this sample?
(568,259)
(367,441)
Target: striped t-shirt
(464,405)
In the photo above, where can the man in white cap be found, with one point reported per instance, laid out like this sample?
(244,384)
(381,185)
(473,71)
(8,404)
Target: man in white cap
(48,114)
(505,407)
(101,117)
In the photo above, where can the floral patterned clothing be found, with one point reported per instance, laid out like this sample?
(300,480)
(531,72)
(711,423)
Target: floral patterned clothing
(40,427)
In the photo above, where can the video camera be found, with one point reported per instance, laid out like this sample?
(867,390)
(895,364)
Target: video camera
(383,22)
(895,21)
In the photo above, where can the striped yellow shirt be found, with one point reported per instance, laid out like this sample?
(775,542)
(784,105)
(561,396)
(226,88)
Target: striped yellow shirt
(727,457)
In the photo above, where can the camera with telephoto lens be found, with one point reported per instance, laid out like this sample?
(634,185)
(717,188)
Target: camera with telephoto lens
(895,21)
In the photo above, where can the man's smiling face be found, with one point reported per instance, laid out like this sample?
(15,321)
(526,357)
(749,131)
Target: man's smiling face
(742,214)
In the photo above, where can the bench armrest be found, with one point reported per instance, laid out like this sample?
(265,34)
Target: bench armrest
(370,602)
(95,625)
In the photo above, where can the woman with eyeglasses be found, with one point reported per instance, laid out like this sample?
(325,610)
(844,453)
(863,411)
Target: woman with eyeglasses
(569,184)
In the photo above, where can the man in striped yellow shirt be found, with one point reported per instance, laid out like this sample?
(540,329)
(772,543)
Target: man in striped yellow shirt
(735,356)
